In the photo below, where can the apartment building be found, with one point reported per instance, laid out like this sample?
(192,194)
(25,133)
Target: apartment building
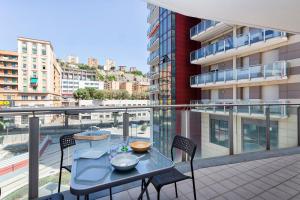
(128,86)
(245,65)
(8,76)
(39,74)
(74,78)
(93,62)
(111,85)
(140,87)
(169,48)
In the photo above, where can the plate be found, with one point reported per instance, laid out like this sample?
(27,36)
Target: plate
(124,161)
(140,146)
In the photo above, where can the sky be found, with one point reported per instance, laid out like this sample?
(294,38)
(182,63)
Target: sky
(115,29)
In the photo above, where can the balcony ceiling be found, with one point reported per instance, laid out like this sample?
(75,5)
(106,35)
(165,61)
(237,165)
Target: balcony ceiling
(281,15)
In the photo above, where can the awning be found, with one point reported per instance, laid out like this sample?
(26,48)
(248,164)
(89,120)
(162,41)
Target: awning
(281,15)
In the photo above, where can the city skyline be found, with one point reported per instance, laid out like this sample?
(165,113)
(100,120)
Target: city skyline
(115,42)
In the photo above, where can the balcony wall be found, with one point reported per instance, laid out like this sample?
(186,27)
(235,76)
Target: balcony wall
(242,44)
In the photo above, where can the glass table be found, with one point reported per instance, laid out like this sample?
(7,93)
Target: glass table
(93,175)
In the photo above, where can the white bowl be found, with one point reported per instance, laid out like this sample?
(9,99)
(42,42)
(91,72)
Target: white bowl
(124,161)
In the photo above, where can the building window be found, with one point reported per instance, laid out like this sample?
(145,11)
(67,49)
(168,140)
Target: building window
(24,65)
(34,66)
(24,97)
(24,119)
(44,89)
(5,71)
(219,132)
(34,49)
(25,89)
(8,97)
(44,52)
(24,47)
(43,97)
(24,59)
(33,59)
(254,135)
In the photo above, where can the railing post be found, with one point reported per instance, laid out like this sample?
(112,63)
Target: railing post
(230,130)
(268,128)
(151,124)
(66,120)
(185,127)
(34,139)
(125,125)
(298,124)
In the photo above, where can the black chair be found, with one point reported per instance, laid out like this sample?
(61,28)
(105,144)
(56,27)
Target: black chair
(65,141)
(174,176)
(57,196)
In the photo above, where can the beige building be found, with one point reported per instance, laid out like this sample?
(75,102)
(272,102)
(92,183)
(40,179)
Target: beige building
(73,59)
(39,80)
(128,86)
(93,62)
(246,65)
(8,75)
(110,65)
(140,87)
(112,85)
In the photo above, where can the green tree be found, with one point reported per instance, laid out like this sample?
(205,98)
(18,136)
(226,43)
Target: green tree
(91,91)
(137,73)
(81,94)
(100,94)
(111,78)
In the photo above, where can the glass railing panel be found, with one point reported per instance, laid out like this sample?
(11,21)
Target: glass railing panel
(229,75)
(220,46)
(242,73)
(271,34)
(242,40)
(256,72)
(193,55)
(256,36)
(220,76)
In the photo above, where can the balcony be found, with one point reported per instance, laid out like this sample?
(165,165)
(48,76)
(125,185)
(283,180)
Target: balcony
(9,75)
(153,28)
(154,42)
(264,164)
(255,108)
(207,29)
(154,72)
(242,44)
(153,59)
(153,15)
(154,88)
(34,81)
(254,75)
(13,59)
(11,67)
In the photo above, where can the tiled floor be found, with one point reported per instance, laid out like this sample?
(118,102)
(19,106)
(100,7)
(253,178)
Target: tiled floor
(268,179)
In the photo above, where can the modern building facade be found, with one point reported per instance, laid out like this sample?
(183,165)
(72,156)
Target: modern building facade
(74,78)
(245,65)
(169,46)
(8,75)
(39,74)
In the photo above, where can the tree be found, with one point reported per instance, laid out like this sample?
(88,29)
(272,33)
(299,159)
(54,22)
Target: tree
(100,94)
(137,73)
(81,94)
(91,91)
(111,78)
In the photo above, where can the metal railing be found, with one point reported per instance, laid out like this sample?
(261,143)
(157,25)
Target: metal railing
(152,27)
(239,41)
(186,119)
(153,55)
(153,39)
(267,72)
(202,26)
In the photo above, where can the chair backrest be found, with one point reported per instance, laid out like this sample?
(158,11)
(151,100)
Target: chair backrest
(66,141)
(185,145)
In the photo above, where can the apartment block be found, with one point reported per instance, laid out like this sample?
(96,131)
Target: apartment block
(112,85)
(8,75)
(93,62)
(73,59)
(245,65)
(39,74)
(74,78)
(128,86)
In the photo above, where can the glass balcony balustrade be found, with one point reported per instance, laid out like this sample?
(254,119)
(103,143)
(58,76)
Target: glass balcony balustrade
(153,39)
(154,88)
(202,26)
(153,27)
(226,44)
(154,55)
(43,126)
(263,72)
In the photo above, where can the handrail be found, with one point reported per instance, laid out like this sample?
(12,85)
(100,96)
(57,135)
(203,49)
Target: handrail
(100,108)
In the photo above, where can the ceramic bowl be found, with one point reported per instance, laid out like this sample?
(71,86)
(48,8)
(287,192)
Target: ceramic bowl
(124,161)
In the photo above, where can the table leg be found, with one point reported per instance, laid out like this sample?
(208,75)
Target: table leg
(144,188)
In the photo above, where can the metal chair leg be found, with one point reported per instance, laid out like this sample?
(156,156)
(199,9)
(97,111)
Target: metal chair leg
(78,197)
(158,194)
(176,190)
(86,197)
(194,188)
(59,180)
(110,194)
